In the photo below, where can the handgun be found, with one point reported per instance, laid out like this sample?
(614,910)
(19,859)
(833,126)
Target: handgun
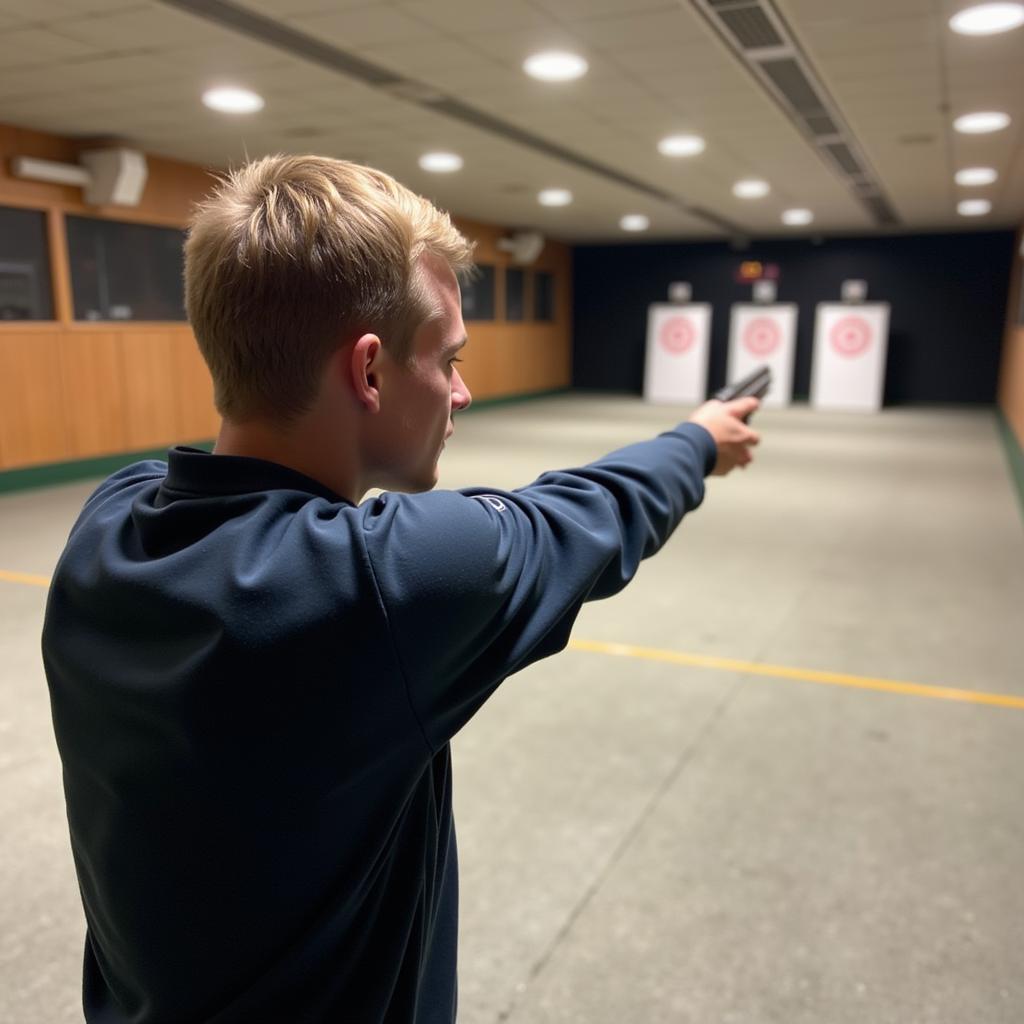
(755,383)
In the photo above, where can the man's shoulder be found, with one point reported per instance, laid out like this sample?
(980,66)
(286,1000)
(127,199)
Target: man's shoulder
(146,471)
(124,483)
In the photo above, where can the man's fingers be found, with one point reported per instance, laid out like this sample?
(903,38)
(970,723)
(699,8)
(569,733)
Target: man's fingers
(740,407)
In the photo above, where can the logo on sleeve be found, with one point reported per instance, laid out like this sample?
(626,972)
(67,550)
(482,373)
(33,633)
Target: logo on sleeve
(493,500)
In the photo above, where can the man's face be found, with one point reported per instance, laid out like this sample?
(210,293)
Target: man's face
(421,396)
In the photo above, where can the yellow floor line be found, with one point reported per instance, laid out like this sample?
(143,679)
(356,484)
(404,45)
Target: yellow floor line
(806,675)
(754,668)
(24,577)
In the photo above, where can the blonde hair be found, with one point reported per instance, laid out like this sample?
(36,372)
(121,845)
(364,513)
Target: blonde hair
(292,255)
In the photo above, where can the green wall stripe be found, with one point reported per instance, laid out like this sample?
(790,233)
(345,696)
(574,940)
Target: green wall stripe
(1014,454)
(80,469)
(55,473)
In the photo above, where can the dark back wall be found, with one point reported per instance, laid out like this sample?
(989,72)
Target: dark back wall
(948,295)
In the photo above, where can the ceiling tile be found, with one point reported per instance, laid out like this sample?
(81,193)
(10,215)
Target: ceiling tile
(356,27)
(134,28)
(655,68)
(29,47)
(672,26)
(461,17)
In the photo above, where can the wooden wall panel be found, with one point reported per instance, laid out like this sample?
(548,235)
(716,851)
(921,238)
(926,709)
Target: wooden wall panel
(149,384)
(31,417)
(198,420)
(507,359)
(1011,381)
(74,390)
(92,394)
(1011,369)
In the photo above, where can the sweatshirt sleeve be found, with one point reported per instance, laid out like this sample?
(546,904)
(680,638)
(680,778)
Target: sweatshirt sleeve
(477,584)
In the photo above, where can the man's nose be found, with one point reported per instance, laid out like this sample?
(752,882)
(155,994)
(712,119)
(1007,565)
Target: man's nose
(461,398)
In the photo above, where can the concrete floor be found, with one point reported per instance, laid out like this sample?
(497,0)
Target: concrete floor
(646,841)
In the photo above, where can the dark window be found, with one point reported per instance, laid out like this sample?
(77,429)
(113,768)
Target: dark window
(125,271)
(24,266)
(514,307)
(543,295)
(478,294)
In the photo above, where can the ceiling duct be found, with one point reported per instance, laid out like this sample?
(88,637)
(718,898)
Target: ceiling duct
(747,22)
(305,47)
(881,209)
(844,159)
(793,85)
(761,40)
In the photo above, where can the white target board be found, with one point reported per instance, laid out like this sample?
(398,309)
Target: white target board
(764,335)
(850,345)
(678,339)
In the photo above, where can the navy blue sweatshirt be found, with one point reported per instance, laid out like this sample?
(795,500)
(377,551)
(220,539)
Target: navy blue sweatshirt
(254,684)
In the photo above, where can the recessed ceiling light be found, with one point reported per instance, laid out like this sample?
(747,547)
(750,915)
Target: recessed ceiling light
(751,188)
(973,207)
(555,66)
(229,99)
(976,176)
(555,197)
(796,217)
(681,145)
(635,222)
(441,163)
(987,19)
(981,122)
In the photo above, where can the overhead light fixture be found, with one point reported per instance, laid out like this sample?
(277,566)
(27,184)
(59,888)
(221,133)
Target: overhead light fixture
(796,217)
(555,197)
(971,176)
(555,66)
(681,145)
(973,207)
(230,99)
(441,163)
(635,222)
(987,19)
(751,188)
(981,122)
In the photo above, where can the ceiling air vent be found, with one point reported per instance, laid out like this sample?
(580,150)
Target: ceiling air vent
(750,26)
(787,76)
(881,209)
(821,124)
(844,158)
(761,40)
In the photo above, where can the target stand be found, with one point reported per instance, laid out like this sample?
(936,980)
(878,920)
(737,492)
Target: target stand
(678,339)
(764,335)
(850,346)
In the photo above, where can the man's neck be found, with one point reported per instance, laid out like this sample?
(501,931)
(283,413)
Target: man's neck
(301,447)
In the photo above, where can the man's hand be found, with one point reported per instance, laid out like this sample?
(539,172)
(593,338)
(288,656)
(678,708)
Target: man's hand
(724,421)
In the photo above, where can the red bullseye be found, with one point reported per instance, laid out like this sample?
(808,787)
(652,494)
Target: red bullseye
(761,336)
(851,336)
(676,335)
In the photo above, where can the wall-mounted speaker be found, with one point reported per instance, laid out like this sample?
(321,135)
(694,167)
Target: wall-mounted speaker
(117,176)
(522,246)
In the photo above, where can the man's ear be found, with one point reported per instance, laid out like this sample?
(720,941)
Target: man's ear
(365,365)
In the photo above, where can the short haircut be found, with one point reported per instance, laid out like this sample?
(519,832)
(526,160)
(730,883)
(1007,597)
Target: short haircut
(290,257)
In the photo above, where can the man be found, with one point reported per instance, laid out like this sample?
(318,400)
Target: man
(255,678)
